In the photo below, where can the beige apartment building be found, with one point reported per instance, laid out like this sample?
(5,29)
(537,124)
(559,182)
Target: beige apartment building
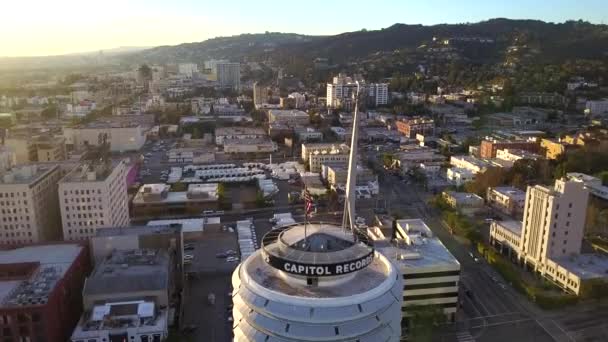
(320,153)
(553,221)
(549,239)
(29,210)
(93,197)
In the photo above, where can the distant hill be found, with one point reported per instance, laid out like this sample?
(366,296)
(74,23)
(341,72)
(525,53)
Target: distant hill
(552,42)
(233,48)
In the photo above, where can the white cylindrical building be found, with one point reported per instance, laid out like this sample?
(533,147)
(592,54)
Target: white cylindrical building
(316,283)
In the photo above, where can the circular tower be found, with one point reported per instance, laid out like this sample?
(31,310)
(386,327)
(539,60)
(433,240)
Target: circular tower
(316,282)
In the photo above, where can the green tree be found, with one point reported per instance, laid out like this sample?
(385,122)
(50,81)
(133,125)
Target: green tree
(423,321)
(50,112)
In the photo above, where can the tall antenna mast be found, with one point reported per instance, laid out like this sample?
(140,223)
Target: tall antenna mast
(349,201)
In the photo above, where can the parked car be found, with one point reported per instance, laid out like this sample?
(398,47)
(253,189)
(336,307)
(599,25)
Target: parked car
(208,212)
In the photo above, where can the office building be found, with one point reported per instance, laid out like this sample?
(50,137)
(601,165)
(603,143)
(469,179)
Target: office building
(337,288)
(554,220)
(341,91)
(29,205)
(41,288)
(228,75)
(93,196)
(128,298)
(431,274)
(411,127)
(377,94)
(549,239)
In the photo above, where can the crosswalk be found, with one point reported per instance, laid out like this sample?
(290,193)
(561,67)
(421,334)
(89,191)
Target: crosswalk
(464,336)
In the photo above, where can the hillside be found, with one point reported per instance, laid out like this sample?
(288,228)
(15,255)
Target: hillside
(553,42)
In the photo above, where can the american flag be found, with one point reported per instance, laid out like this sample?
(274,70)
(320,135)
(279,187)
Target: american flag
(308,201)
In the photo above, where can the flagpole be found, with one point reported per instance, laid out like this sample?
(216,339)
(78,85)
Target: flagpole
(306,204)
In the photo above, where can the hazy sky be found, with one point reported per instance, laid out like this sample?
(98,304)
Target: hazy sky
(51,27)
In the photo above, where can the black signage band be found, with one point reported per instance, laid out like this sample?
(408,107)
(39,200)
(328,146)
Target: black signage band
(318,270)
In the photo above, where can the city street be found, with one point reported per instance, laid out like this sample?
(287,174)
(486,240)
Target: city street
(493,311)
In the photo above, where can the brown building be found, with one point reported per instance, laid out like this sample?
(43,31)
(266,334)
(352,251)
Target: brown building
(488,148)
(411,127)
(41,296)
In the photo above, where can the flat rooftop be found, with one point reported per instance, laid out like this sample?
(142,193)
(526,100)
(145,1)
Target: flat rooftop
(49,264)
(585,266)
(130,271)
(430,253)
(87,172)
(510,225)
(187,225)
(239,131)
(288,113)
(138,230)
(26,174)
(510,191)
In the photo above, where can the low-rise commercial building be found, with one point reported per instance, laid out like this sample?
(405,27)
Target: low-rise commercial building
(291,118)
(514,155)
(413,126)
(29,205)
(261,145)
(431,274)
(122,136)
(156,200)
(507,236)
(507,199)
(128,298)
(93,197)
(489,147)
(457,176)
(50,149)
(41,288)
(593,184)
(234,133)
(465,202)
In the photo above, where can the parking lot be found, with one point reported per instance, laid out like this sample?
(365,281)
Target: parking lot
(209,274)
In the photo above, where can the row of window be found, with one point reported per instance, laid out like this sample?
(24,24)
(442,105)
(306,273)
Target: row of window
(431,274)
(429,285)
(12,204)
(431,296)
